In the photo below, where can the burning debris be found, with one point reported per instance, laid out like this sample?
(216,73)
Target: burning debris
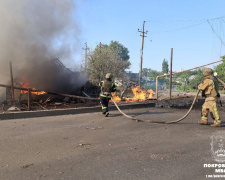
(142,95)
(138,95)
(26,94)
(33,33)
(27,85)
(54,77)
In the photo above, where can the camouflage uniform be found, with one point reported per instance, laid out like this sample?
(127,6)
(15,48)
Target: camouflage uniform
(209,89)
(107,86)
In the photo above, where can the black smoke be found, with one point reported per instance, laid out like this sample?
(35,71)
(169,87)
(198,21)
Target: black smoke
(35,32)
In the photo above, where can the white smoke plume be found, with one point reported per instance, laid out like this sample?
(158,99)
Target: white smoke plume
(32,33)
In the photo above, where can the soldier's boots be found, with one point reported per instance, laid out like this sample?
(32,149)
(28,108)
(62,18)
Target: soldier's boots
(203,121)
(216,124)
(106,114)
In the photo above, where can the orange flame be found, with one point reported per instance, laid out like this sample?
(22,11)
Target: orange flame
(140,95)
(150,94)
(25,84)
(116,98)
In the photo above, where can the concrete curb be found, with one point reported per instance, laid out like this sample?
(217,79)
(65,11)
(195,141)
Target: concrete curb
(57,112)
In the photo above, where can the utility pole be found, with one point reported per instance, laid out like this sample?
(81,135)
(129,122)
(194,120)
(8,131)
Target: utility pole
(171,69)
(85,59)
(12,86)
(142,46)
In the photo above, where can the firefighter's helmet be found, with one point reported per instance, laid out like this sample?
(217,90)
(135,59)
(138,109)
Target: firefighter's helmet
(207,72)
(108,76)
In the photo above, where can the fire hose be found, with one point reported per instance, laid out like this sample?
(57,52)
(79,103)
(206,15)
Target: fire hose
(158,122)
(133,118)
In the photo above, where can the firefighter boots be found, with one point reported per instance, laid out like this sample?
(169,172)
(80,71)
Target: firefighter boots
(203,121)
(106,114)
(216,124)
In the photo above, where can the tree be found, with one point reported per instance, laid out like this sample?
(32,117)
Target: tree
(220,69)
(165,67)
(193,78)
(145,72)
(148,72)
(121,51)
(106,59)
(154,73)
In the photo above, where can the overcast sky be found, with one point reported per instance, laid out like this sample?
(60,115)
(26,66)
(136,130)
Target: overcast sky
(193,28)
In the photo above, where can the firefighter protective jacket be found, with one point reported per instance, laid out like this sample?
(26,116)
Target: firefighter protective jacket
(209,87)
(107,86)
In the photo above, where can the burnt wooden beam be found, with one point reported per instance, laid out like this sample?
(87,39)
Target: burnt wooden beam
(52,93)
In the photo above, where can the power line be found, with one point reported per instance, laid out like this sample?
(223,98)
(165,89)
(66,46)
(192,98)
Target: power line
(182,20)
(216,18)
(216,33)
(186,27)
(223,20)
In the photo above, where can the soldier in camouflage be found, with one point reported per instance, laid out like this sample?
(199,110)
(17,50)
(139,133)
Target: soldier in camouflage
(209,89)
(107,86)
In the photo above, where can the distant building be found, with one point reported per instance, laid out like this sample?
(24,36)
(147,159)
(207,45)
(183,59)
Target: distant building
(148,79)
(192,77)
(134,77)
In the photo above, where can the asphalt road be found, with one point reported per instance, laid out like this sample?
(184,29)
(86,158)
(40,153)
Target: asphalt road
(92,147)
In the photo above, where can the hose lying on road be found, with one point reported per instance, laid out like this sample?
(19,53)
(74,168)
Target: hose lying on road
(159,122)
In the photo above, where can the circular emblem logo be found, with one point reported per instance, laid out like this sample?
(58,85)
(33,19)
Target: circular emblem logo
(218,146)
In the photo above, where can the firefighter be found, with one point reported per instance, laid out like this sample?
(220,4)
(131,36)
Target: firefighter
(209,89)
(107,86)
